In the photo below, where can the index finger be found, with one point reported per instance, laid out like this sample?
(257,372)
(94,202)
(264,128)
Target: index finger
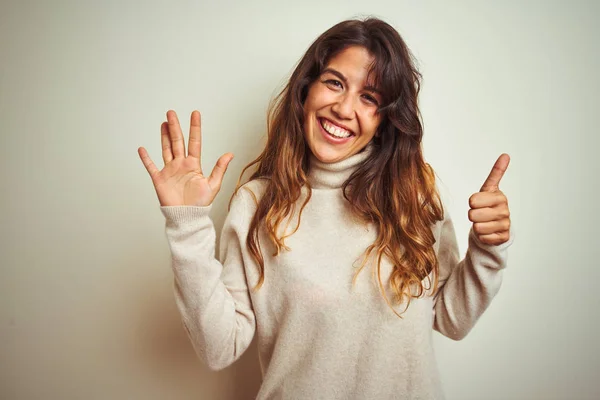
(195,141)
(493,180)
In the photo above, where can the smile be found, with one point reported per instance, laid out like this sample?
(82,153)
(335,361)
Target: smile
(334,130)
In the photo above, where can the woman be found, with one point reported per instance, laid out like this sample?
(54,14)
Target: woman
(337,252)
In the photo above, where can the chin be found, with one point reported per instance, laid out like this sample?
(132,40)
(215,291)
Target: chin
(327,155)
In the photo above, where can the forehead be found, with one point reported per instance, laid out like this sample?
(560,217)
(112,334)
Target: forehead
(355,63)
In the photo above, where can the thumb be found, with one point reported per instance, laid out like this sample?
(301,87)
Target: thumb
(216,176)
(492,182)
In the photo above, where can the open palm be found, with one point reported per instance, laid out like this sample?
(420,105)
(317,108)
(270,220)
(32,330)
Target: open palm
(181,181)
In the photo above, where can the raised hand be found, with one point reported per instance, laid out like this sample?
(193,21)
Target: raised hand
(181,181)
(489,208)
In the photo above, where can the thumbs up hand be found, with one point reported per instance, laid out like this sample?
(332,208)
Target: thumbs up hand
(489,207)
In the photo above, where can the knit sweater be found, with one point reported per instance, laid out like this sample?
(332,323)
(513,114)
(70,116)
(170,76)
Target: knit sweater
(319,336)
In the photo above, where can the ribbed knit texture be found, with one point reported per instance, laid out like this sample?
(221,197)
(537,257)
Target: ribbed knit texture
(319,337)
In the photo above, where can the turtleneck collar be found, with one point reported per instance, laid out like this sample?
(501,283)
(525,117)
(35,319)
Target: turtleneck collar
(333,175)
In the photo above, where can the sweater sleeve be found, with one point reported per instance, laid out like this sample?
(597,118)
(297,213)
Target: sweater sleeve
(466,287)
(212,297)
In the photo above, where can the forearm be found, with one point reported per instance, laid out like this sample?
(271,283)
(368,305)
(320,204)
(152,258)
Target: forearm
(470,287)
(219,320)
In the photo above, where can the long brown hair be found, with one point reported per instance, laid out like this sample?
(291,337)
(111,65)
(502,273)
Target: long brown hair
(394,188)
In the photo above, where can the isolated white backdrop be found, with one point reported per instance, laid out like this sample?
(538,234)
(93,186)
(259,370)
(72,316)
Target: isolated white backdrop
(87,310)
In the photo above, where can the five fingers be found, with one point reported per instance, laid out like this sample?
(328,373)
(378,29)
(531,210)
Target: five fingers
(172,143)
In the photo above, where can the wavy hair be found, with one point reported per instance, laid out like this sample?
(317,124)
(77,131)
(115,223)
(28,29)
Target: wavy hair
(394,188)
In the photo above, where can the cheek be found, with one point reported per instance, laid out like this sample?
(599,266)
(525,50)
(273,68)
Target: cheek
(317,98)
(376,125)
(370,122)
(310,95)
(308,105)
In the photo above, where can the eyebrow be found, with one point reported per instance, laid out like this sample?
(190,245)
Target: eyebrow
(369,88)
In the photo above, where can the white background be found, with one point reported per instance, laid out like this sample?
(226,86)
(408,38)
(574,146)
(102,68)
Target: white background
(86,306)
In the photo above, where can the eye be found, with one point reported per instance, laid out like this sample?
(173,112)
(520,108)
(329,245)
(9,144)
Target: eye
(371,99)
(333,82)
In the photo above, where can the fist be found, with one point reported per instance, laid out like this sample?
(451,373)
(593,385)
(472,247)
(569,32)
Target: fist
(489,207)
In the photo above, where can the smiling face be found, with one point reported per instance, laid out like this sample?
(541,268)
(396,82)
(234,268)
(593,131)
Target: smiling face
(340,110)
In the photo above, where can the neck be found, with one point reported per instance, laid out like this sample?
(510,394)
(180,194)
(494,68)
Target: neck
(333,175)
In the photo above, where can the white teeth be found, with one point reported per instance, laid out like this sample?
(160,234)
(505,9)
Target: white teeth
(334,130)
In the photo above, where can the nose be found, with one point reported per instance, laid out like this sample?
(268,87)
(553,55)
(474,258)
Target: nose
(344,106)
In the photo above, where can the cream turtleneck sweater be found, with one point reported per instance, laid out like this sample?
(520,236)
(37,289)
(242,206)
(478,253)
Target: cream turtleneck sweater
(319,337)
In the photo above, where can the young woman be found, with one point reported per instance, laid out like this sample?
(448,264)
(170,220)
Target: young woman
(337,252)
